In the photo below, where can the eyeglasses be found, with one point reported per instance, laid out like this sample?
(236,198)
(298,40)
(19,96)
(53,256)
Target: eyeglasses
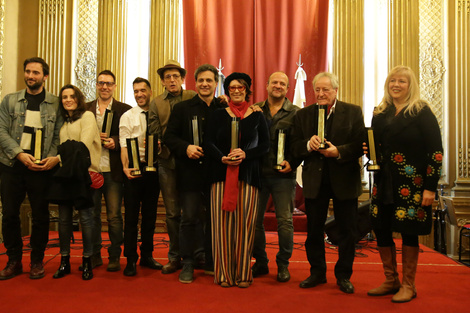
(235,88)
(170,76)
(109,84)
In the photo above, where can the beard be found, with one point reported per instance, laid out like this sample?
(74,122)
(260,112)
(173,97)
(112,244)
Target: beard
(33,86)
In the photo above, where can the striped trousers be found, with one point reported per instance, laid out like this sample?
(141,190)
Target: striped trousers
(233,234)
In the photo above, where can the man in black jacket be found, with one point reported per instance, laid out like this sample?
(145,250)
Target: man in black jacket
(185,142)
(111,166)
(330,173)
(278,178)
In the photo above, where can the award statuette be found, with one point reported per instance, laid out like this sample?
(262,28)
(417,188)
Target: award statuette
(195,128)
(149,153)
(37,149)
(133,154)
(372,166)
(234,134)
(281,144)
(107,123)
(322,109)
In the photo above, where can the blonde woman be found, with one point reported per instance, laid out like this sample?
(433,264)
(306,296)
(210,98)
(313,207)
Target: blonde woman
(409,144)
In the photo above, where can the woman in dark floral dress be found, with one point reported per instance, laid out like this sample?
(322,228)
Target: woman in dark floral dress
(409,146)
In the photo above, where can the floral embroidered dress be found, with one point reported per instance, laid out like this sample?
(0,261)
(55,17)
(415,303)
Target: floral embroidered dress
(410,157)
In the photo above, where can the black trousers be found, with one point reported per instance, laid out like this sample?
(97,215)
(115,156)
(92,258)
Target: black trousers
(345,212)
(140,196)
(16,182)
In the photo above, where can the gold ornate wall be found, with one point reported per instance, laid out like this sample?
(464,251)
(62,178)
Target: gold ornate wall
(164,30)
(348,49)
(431,52)
(86,47)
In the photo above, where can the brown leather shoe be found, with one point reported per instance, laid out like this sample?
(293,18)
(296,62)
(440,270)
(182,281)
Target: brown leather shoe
(37,270)
(114,265)
(12,269)
(171,267)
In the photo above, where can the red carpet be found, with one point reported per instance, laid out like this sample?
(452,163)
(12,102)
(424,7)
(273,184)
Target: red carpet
(443,286)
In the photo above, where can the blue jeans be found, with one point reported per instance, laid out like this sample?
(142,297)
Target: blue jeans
(283,193)
(167,179)
(192,226)
(66,229)
(112,192)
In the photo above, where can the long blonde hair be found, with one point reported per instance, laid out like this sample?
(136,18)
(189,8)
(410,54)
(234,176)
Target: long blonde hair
(413,103)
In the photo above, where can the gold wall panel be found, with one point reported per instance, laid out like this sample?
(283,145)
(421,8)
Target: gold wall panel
(112,41)
(52,32)
(459,91)
(404,34)
(348,49)
(164,30)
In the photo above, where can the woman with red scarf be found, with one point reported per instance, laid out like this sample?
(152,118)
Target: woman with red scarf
(235,180)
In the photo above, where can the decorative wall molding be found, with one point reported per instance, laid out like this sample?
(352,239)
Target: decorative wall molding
(87,47)
(431,42)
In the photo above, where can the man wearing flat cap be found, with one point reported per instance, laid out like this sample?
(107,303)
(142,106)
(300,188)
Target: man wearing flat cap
(172,76)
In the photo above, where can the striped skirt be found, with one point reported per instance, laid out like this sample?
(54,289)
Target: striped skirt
(233,234)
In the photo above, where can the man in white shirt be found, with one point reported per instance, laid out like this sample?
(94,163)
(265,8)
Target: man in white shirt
(140,190)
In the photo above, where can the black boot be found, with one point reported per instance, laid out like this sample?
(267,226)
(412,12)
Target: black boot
(87,273)
(64,267)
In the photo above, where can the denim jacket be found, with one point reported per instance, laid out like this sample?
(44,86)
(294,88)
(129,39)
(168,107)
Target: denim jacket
(12,118)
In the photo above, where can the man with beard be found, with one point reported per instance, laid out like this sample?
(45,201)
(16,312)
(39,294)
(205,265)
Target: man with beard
(277,179)
(172,77)
(111,167)
(185,142)
(140,190)
(29,118)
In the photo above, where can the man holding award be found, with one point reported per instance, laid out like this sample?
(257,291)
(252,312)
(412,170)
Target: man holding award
(141,188)
(184,136)
(108,112)
(172,77)
(328,137)
(277,177)
(29,135)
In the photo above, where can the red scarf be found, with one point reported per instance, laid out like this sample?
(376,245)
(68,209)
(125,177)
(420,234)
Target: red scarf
(229,202)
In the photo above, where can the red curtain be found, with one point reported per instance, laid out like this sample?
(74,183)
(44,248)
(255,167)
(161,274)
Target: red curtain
(257,37)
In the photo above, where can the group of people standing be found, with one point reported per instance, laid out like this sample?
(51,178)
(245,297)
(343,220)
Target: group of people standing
(216,164)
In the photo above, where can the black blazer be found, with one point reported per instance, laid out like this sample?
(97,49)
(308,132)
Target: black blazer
(347,133)
(114,155)
(191,174)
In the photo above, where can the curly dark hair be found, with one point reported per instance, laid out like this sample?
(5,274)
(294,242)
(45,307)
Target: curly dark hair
(81,107)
